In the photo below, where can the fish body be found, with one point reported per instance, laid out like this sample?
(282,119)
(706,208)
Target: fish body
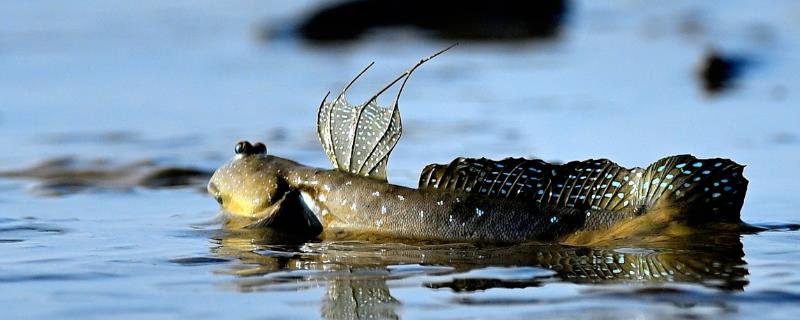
(476,200)
(257,190)
(351,206)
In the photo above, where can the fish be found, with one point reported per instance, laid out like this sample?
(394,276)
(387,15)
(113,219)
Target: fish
(469,199)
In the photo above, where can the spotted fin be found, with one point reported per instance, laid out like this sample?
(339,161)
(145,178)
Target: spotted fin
(578,184)
(358,138)
(714,185)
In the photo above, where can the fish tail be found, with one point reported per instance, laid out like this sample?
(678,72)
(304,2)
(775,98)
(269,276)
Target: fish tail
(702,190)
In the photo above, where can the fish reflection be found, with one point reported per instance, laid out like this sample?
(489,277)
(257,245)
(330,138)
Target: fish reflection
(356,273)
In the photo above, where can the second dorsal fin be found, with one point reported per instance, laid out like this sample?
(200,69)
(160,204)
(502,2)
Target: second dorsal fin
(359,138)
(590,184)
(714,186)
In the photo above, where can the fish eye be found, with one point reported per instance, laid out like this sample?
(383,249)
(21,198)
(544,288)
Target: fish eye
(243,147)
(259,148)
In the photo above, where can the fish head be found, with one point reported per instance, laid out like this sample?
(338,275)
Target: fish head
(249,187)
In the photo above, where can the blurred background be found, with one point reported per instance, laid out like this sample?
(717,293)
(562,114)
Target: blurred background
(109,87)
(562,80)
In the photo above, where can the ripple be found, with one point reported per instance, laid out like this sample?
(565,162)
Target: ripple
(777,226)
(192,261)
(495,277)
(57,277)
(27,229)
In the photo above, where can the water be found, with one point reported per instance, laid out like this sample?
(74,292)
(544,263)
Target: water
(125,86)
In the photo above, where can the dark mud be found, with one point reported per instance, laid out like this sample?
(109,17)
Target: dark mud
(64,176)
(448,19)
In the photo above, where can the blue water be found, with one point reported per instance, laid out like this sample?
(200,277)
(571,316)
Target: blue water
(177,84)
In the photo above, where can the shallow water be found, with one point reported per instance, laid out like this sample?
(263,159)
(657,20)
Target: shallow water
(134,88)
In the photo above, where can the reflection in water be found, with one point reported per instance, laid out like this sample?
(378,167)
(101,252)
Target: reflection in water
(357,297)
(356,273)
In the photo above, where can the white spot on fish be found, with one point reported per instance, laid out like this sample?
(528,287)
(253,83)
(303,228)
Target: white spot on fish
(478,212)
(422,213)
(376,194)
(440,203)
(383,209)
(401,197)
(321,197)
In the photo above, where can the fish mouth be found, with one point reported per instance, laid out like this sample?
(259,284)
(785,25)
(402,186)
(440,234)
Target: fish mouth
(289,214)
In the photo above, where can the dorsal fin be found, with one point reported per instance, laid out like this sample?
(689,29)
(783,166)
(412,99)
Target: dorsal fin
(578,184)
(359,138)
(714,185)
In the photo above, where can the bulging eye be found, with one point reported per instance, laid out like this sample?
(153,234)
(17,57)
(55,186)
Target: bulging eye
(243,147)
(259,148)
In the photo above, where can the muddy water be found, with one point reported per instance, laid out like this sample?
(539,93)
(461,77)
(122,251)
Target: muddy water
(112,115)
